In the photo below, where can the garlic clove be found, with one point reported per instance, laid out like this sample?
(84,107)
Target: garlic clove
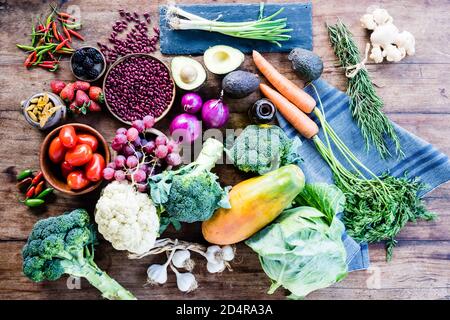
(228,253)
(214,254)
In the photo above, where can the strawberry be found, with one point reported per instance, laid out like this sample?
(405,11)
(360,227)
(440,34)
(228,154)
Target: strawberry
(96,94)
(57,86)
(81,98)
(82,85)
(68,93)
(74,108)
(94,106)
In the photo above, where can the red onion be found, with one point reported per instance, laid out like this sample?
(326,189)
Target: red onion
(185,126)
(215,113)
(191,102)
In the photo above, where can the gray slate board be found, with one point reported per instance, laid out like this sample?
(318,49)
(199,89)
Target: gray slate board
(299,17)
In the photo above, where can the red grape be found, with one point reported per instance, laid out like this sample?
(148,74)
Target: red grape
(149,147)
(121,131)
(173,159)
(139,175)
(108,173)
(119,161)
(119,175)
(116,146)
(121,138)
(142,187)
(173,146)
(111,165)
(160,140)
(149,121)
(128,150)
(132,161)
(132,134)
(138,125)
(161,151)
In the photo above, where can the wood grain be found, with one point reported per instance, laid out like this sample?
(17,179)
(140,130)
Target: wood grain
(416,92)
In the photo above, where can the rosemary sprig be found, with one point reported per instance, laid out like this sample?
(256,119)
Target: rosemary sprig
(365,104)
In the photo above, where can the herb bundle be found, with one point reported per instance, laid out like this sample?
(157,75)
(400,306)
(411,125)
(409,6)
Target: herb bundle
(376,208)
(266,28)
(365,104)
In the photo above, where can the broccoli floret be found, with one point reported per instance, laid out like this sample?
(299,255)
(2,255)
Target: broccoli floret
(263,148)
(62,244)
(191,193)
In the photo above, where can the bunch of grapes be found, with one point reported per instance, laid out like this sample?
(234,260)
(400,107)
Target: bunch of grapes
(140,154)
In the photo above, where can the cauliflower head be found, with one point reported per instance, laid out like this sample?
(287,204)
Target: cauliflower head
(127,218)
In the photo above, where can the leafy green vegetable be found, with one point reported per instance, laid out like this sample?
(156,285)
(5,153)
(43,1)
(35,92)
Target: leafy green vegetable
(65,244)
(303,251)
(263,148)
(191,193)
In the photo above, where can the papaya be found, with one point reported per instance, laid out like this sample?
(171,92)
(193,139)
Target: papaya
(254,204)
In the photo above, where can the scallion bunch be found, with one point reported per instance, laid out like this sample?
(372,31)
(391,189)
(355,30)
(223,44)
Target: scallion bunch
(266,28)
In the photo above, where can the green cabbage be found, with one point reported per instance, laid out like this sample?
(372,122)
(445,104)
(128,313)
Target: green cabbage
(303,251)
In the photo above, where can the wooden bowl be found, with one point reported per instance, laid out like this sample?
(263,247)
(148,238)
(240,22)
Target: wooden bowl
(139,55)
(52,172)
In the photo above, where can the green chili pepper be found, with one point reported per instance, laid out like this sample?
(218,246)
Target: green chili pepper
(24,47)
(24,174)
(32,203)
(44,193)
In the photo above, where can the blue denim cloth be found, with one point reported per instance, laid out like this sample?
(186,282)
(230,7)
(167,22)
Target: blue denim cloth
(421,159)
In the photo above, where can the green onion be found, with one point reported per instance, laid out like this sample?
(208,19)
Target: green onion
(266,29)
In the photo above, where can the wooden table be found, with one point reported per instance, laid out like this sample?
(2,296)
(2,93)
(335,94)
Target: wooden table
(416,92)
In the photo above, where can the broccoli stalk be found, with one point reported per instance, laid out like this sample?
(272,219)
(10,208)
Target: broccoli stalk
(65,244)
(191,193)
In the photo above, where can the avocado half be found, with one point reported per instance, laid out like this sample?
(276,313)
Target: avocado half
(187,73)
(222,59)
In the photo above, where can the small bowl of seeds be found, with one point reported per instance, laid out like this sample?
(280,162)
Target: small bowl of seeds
(44,110)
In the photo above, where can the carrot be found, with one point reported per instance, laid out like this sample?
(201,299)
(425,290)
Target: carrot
(293,115)
(286,87)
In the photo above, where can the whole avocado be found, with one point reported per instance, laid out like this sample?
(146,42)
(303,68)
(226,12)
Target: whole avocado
(239,84)
(306,64)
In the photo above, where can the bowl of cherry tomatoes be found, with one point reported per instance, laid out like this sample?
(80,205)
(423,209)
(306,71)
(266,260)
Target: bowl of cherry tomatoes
(73,157)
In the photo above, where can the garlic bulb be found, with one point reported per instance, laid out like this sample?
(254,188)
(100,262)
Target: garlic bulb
(157,273)
(182,259)
(214,254)
(228,253)
(215,267)
(185,280)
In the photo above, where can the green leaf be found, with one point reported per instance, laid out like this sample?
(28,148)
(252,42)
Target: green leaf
(326,198)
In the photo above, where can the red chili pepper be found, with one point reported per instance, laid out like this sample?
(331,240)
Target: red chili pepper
(37,178)
(66,32)
(51,56)
(64,15)
(39,188)
(62,44)
(55,31)
(30,192)
(28,62)
(76,34)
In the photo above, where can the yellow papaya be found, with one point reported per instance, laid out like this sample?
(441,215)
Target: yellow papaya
(254,204)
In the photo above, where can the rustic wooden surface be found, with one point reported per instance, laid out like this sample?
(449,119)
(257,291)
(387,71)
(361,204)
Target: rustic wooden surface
(416,92)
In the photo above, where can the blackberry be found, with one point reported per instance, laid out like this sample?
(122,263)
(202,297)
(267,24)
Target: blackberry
(78,71)
(78,56)
(90,52)
(88,63)
(92,73)
(97,57)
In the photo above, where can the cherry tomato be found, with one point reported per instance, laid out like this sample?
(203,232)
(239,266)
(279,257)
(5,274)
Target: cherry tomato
(68,136)
(56,151)
(66,168)
(89,140)
(94,168)
(78,156)
(77,180)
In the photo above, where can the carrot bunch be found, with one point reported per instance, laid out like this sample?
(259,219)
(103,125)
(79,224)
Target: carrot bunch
(50,40)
